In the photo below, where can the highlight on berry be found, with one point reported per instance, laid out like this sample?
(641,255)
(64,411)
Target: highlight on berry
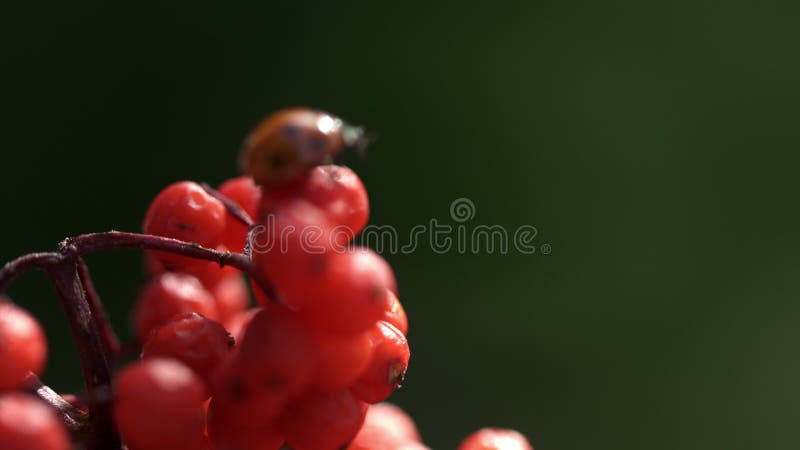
(233,350)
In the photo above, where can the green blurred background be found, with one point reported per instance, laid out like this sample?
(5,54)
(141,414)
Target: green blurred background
(654,146)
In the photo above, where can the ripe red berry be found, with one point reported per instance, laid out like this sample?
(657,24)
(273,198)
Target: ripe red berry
(166,296)
(159,406)
(240,393)
(231,297)
(28,424)
(292,248)
(412,446)
(185,211)
(322,420)
(23,346)
(278,352)
(340,359)
(226,432)
(495,439)
(337,191)
(395,314)
(238,324)
(192,339)
(349,294)
(289,142)
(388,366)
(341,194)
(247,195)
(386,427)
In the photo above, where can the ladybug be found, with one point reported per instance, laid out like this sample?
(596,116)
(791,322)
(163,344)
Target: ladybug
(289,142)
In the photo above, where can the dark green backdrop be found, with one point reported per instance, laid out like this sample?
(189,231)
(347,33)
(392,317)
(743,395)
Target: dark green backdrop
(655,147)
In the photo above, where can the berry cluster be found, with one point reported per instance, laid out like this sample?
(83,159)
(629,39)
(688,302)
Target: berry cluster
(306,367)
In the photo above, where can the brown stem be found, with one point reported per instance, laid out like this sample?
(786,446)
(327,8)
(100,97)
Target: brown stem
(233,208)
(24,264)
(67,273)
(71,248)
(75,419)
(96,371)
(107,334)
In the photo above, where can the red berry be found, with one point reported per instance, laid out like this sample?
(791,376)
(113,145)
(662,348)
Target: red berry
(166,296)
(247,195)
(28,424)
(388,367)
(337,191)
(278,352)
(349,295)
(226,432)
(340,359)
(292,248)
(185,211)
(386,427)
(159,406)
(289,142)
(23,346)
(238,324)
(192,339)
(239,393)
(232,297)
(322,420)
(340,193)
(412,446)
(495,439)
(395,314)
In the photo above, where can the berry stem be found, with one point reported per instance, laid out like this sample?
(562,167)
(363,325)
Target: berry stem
(233,208)
(73,247)
(107,334)
(24,264)
(96,371)
(74,418)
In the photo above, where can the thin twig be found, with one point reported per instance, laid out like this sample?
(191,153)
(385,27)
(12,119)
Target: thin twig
(75,419)
(233,208)
(95,364)
(107,334)
(74,247)
(24,264)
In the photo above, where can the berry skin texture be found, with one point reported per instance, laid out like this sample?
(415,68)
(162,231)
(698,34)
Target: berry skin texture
(192,339)
(388,366)
(293,248)
(386,427)
(247,195)
(337,191)
(322,420)
(289,142)
(495,439)
(28,424)
(278,352)
(159,406)
(231,297)
(239,323)
(395,314)
(340,359)
(23,345)
(350,295)
(227,433)
(341,194)
(185,211)
(239,394)
(166,296)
